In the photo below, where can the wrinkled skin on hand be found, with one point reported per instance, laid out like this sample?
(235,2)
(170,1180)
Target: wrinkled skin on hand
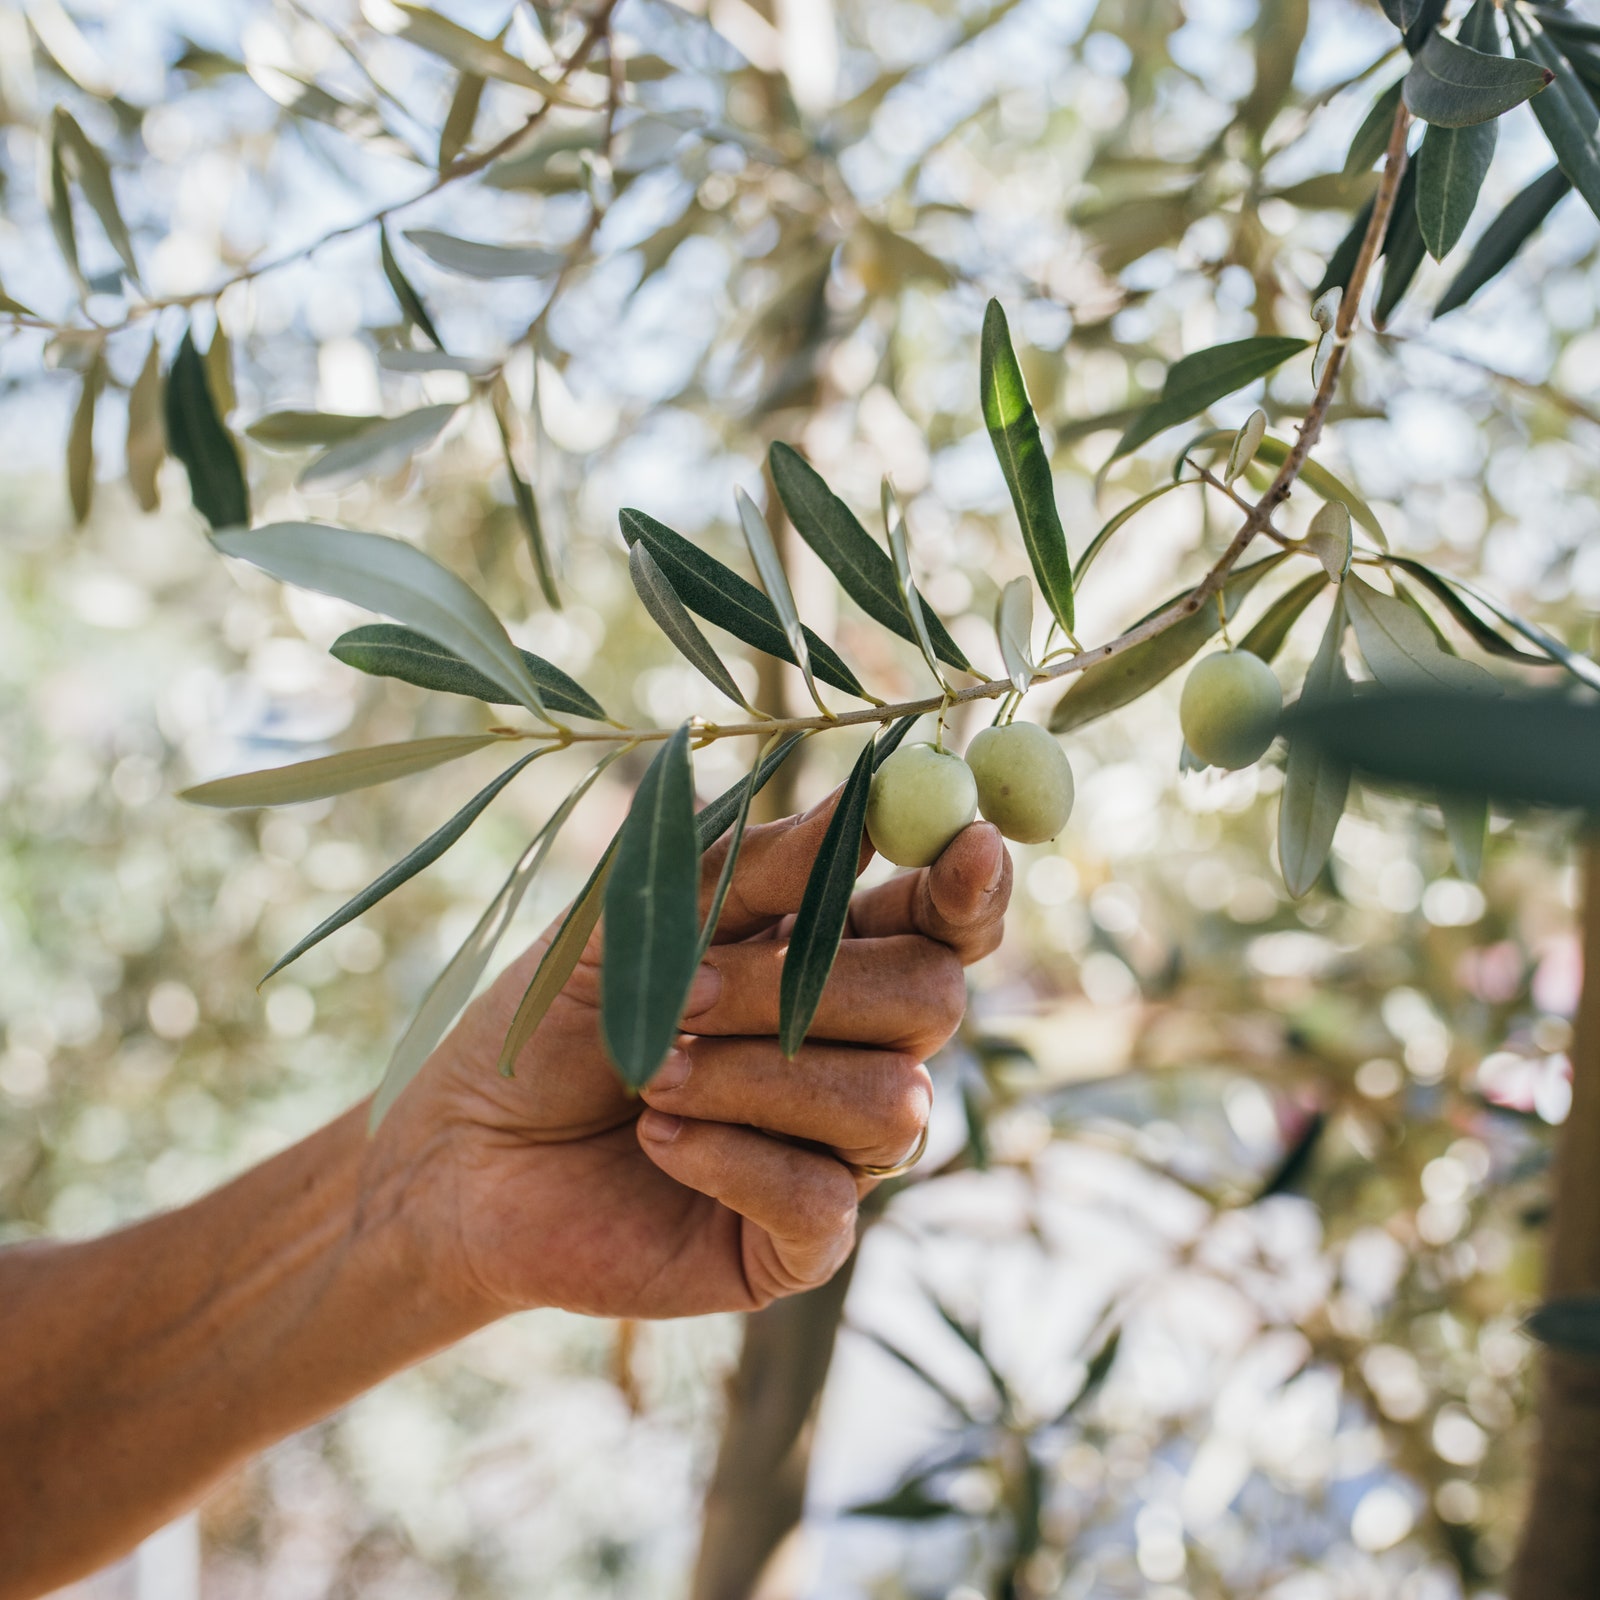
(732,1181)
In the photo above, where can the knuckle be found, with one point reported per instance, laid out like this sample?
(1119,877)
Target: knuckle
(905,1100)
(948,988)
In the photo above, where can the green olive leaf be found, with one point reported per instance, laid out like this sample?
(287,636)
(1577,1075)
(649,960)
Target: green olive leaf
(395,579)
(1454,86)
(1013,626)
(1328,539)
(1481,633)
(407,867)
(652,927)
(1267,637)
(335,774)
(1400,648)
(854,557)
(1566,112)
(456,134)
(1014,432)
(84,161)
(670,615)
(1121,518)
(1316,783)
(1505,236)
(1570,1323)
(375,451)
(522,493)
(295,430)
(484,261)
(80,440)
(758,538)
(824,909)
(717,593)
(386,650)
(412,305)
(197,437)
(911,605)
(146,446)
(1245,444)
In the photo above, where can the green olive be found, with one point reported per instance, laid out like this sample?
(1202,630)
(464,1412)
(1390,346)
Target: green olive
(1230,709)
(1024,781)
(921,799)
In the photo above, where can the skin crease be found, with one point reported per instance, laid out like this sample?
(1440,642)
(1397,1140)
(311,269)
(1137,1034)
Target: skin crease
(142,1367)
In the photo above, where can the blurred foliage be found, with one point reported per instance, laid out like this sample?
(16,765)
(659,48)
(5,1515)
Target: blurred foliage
(1289,1155)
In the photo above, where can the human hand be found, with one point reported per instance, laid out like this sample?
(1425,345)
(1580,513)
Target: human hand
(735,1180)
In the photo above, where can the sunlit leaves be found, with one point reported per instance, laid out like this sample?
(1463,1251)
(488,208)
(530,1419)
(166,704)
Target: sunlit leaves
(764,553)
(411,303)
(74,155)
(335,774)
(381,448)
(456,132)
(297,430)
(1316,782)
(854,557)
(1453,86)
(408,866)
(1014,432)
(1122,678)
(474,260)
(652,932)
(824,909)
(669,614)
(1202,379)
(396,580)
(387,650)
(198,439)
(717,593)
(146,446)
(80,439)
(1538,749)
(910,601)
(1482,634)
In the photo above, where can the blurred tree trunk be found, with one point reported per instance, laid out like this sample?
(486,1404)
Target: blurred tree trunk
(758,1489)
(1560,1555)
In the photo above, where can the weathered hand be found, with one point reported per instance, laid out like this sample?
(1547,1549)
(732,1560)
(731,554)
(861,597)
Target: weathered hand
(736,1184)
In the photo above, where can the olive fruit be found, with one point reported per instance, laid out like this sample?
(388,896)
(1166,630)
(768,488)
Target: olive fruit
(1230,708)
(1024,781)
(921,798)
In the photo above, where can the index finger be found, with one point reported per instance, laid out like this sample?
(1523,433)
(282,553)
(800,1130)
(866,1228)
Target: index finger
(774,866)
(960,900)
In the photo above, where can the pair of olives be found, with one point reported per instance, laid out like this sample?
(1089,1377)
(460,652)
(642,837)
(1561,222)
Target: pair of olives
(921,797)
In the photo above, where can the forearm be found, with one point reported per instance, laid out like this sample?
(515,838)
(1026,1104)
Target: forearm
(137,1369)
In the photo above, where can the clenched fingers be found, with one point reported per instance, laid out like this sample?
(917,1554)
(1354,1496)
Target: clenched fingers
(868,1106)
(903,993)
(960,900)
(801,1204)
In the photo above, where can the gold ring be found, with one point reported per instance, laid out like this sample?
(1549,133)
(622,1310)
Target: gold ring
(900,1166)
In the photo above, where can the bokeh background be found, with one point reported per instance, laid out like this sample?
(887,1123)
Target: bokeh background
(1210,1286)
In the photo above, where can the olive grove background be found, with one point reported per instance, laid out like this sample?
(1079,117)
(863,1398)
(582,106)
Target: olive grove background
(1212,1281)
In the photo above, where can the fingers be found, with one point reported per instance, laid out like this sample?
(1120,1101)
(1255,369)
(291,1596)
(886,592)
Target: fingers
(801,1204)
(868,1106)
(773,868)
(960,900)
(903,992)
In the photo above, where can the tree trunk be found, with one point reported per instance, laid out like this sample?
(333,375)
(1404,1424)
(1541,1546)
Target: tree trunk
(1560,1555)
(758,1490)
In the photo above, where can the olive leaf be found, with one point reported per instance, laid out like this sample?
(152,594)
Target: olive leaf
(412,305)
(1120,679)
(146,445)
(669,614)
(910,600)
(717,593)
(1399,647)
(758,538)
(866,574)
(1372,137)
(57,194)
(436,361)
(462,48)
(83,160)
(1014,432)
(1505,236)
(1325,313)
(335,774)
(219,370)
(396,579)
(197,437)
(1267,637)
(652,928)
(1200,380)
(824,909)
(387,650)
(1403,249)
(1328,539)
(1540,749)
(522,493)
(1120,519)
(453,988)
(80,439)
(1013,626)
(295,430)
(1452,85)
(1484,636)
(456,134)
(1316,783)
(1570,1323)
(1453,162)
(1245,444)
(408,866)
(485,261)
(1466,824)
(1566,112)
(382,448)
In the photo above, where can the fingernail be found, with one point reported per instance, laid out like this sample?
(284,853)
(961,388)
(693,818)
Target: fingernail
(998,873)
(674,1072)
(659,1128)
(705,991)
